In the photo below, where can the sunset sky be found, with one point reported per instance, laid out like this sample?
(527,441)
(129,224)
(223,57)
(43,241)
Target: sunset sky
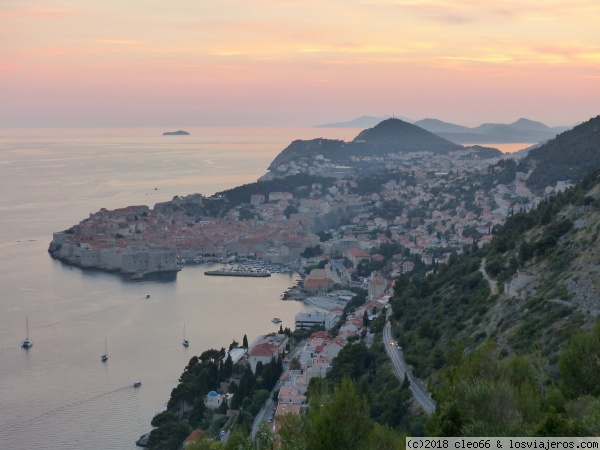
(72,63)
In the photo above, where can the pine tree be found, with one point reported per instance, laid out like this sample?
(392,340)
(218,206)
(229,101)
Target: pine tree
(340,421)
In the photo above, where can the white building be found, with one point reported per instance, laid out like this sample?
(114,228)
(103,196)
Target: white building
(317,318)
(265,348)
(236,354)
(213,400)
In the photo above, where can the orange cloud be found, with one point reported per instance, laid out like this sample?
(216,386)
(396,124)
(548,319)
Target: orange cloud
(229,50)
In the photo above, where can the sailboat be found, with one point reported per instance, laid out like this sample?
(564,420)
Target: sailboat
(105,356)
(26,343)
(186,343)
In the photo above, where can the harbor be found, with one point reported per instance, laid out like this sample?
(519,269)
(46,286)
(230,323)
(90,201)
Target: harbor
(237,273)
(249,268)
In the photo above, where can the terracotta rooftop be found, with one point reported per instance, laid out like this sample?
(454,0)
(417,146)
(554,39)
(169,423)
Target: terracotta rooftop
(264,349)
(193,436)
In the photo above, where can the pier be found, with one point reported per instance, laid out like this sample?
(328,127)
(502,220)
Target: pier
(237,273)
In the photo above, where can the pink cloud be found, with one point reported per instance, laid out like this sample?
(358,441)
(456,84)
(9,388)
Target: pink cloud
(9,66)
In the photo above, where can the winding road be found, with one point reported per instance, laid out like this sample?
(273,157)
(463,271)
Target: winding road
(395,354)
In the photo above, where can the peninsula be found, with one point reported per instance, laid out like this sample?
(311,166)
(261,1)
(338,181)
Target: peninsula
(431,201)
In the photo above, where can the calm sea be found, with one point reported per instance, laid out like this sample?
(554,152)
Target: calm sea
(58,394)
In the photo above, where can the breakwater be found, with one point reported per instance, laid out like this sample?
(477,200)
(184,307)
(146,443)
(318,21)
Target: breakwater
(232,273)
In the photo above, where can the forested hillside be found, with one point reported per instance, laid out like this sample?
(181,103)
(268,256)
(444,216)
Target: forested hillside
(394,135)
(389,136)
(241,194)
(570,156)
(507,336)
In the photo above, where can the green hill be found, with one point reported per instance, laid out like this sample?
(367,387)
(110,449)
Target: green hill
(569,156)
(389,136)
(394,135)
(334,149)
(499,332)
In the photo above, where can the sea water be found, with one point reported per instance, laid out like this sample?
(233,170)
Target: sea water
(58,394)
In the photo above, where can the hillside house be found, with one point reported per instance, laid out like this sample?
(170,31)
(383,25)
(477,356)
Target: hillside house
(265,348)
(319,280)
(356,255)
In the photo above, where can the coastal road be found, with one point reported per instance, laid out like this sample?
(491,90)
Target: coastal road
(395,354)
(265,411)
(270,405)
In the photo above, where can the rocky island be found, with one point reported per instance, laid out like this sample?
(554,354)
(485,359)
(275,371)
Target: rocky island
(176,133)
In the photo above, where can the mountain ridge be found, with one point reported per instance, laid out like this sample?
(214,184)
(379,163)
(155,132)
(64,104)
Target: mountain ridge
(390,135)
(567,157)
(521,130)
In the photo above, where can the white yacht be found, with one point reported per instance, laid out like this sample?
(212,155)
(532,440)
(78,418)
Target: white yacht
(26,343)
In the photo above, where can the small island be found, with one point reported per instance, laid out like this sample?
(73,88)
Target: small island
(176,133)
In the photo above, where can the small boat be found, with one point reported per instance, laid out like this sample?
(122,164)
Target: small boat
(26,343)
(104,357)
(276,320)
(147,295)
(137,383)
(185,342)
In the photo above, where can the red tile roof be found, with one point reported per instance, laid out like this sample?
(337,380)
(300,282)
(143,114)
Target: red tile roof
(320,335)
(193,436)
(265,349)
(358,253)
